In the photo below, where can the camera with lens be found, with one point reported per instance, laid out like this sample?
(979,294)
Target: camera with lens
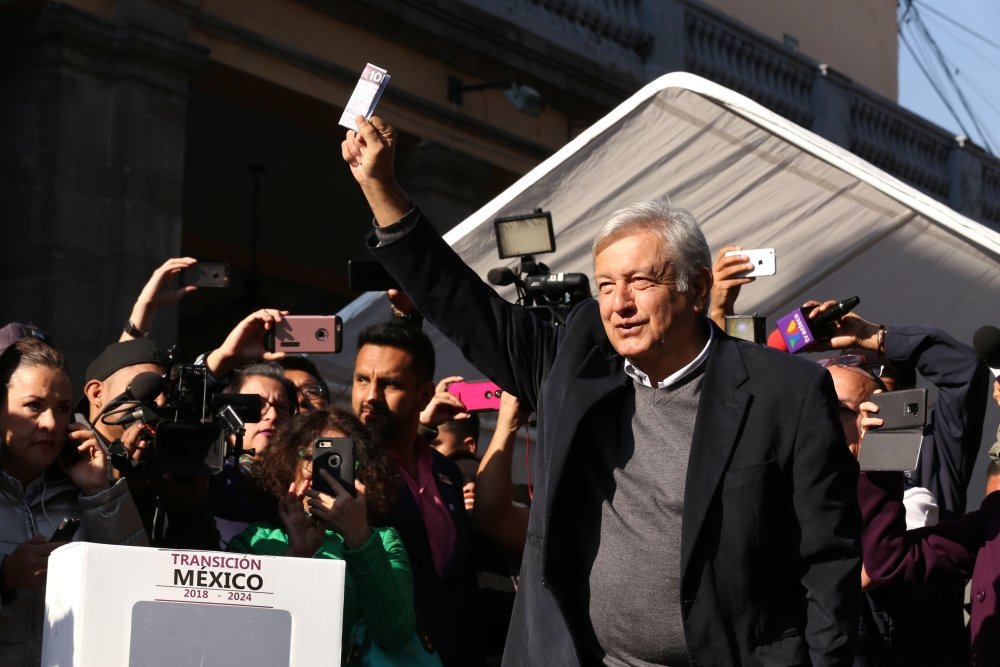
(189,435)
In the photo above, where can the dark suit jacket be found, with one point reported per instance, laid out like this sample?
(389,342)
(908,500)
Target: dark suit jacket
(448,605)
(769,544)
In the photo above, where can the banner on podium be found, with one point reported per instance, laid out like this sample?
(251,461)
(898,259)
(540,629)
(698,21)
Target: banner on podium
(128,606)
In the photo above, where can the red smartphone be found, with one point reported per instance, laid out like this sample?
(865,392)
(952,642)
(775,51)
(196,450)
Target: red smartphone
(295,334)
(477,396)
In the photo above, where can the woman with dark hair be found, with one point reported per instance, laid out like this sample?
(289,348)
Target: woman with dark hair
(39,488)
(313,524)
(236,499)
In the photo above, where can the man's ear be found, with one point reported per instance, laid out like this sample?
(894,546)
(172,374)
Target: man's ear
(470,444)
(94,391)
(700,286)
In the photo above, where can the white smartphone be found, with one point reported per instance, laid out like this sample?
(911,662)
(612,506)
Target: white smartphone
(762,259)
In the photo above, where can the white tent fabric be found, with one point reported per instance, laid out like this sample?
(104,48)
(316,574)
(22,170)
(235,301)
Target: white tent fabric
(839,226)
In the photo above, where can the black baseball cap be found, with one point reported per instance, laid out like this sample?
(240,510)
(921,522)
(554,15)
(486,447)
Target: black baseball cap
(118,356)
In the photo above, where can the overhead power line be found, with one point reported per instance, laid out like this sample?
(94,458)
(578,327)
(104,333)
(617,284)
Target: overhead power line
(921,34)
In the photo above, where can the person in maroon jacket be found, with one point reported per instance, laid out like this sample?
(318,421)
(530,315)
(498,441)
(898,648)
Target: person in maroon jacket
(949,551)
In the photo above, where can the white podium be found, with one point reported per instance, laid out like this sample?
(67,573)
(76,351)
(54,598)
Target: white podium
(118,606)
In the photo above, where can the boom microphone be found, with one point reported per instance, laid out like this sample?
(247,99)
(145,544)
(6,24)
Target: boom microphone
(502,276)
(798,332)
(142,413)
(144,388)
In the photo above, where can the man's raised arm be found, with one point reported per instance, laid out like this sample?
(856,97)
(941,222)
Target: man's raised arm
(370,153)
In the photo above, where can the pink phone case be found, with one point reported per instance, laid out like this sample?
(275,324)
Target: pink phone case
(477,396)
(316,334)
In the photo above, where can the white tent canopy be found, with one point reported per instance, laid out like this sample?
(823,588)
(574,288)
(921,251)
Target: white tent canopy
(839,226)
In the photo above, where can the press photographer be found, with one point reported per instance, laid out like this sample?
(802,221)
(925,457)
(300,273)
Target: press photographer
(174,507)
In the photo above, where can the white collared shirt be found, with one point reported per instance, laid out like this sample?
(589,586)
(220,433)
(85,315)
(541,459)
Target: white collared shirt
(633,371)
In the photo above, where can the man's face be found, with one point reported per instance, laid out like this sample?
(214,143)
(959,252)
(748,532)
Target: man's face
(450,442)
(274,411)
(387,395)
(646,319)
(853,388)
(113,387)
(996,391)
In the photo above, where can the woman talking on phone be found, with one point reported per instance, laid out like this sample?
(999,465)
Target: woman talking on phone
(40,488)
(336,523)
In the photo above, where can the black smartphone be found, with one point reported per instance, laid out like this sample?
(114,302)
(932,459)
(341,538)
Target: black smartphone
(296,334)
(901,410)
(367,275)
(336,456)
(70,455)
(66,529)
(206,274)
(895,445)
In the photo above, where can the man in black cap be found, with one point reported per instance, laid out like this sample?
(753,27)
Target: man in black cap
(110,374)
(174,509)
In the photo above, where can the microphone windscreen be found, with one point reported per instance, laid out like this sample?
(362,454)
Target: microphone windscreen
(501,276)
(986,342)
(146,386)
(776,341)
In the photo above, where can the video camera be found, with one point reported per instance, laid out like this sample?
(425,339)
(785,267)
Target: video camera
(189,435)
(552,295)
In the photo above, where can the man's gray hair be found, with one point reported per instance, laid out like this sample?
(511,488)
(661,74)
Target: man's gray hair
(675,226)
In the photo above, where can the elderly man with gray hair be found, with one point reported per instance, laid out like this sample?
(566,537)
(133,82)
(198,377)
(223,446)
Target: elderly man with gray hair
(694,502)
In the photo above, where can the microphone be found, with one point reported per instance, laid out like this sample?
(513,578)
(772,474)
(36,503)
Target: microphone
(142,413)
(144,388)
(798,332)
(776,341)
(986,342)
(502,276)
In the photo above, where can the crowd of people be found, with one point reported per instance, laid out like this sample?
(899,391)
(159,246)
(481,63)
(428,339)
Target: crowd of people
(695,498)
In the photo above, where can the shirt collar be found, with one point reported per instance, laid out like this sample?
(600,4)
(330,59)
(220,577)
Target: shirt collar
(633,371)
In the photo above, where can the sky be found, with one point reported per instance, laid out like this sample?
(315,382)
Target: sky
(967,34)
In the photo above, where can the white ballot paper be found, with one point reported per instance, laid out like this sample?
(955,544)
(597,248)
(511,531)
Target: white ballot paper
(366,95)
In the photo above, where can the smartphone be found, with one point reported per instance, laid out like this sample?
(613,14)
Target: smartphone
(367,275)
(896,444)
(762,259)
(66,529)
(336,456)
(317,334)
(477,396)
(70,455)
(206,274)
(901,410)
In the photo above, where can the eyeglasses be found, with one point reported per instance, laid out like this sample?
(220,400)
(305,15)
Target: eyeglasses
(857,361)
(311,391)
(280,406)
